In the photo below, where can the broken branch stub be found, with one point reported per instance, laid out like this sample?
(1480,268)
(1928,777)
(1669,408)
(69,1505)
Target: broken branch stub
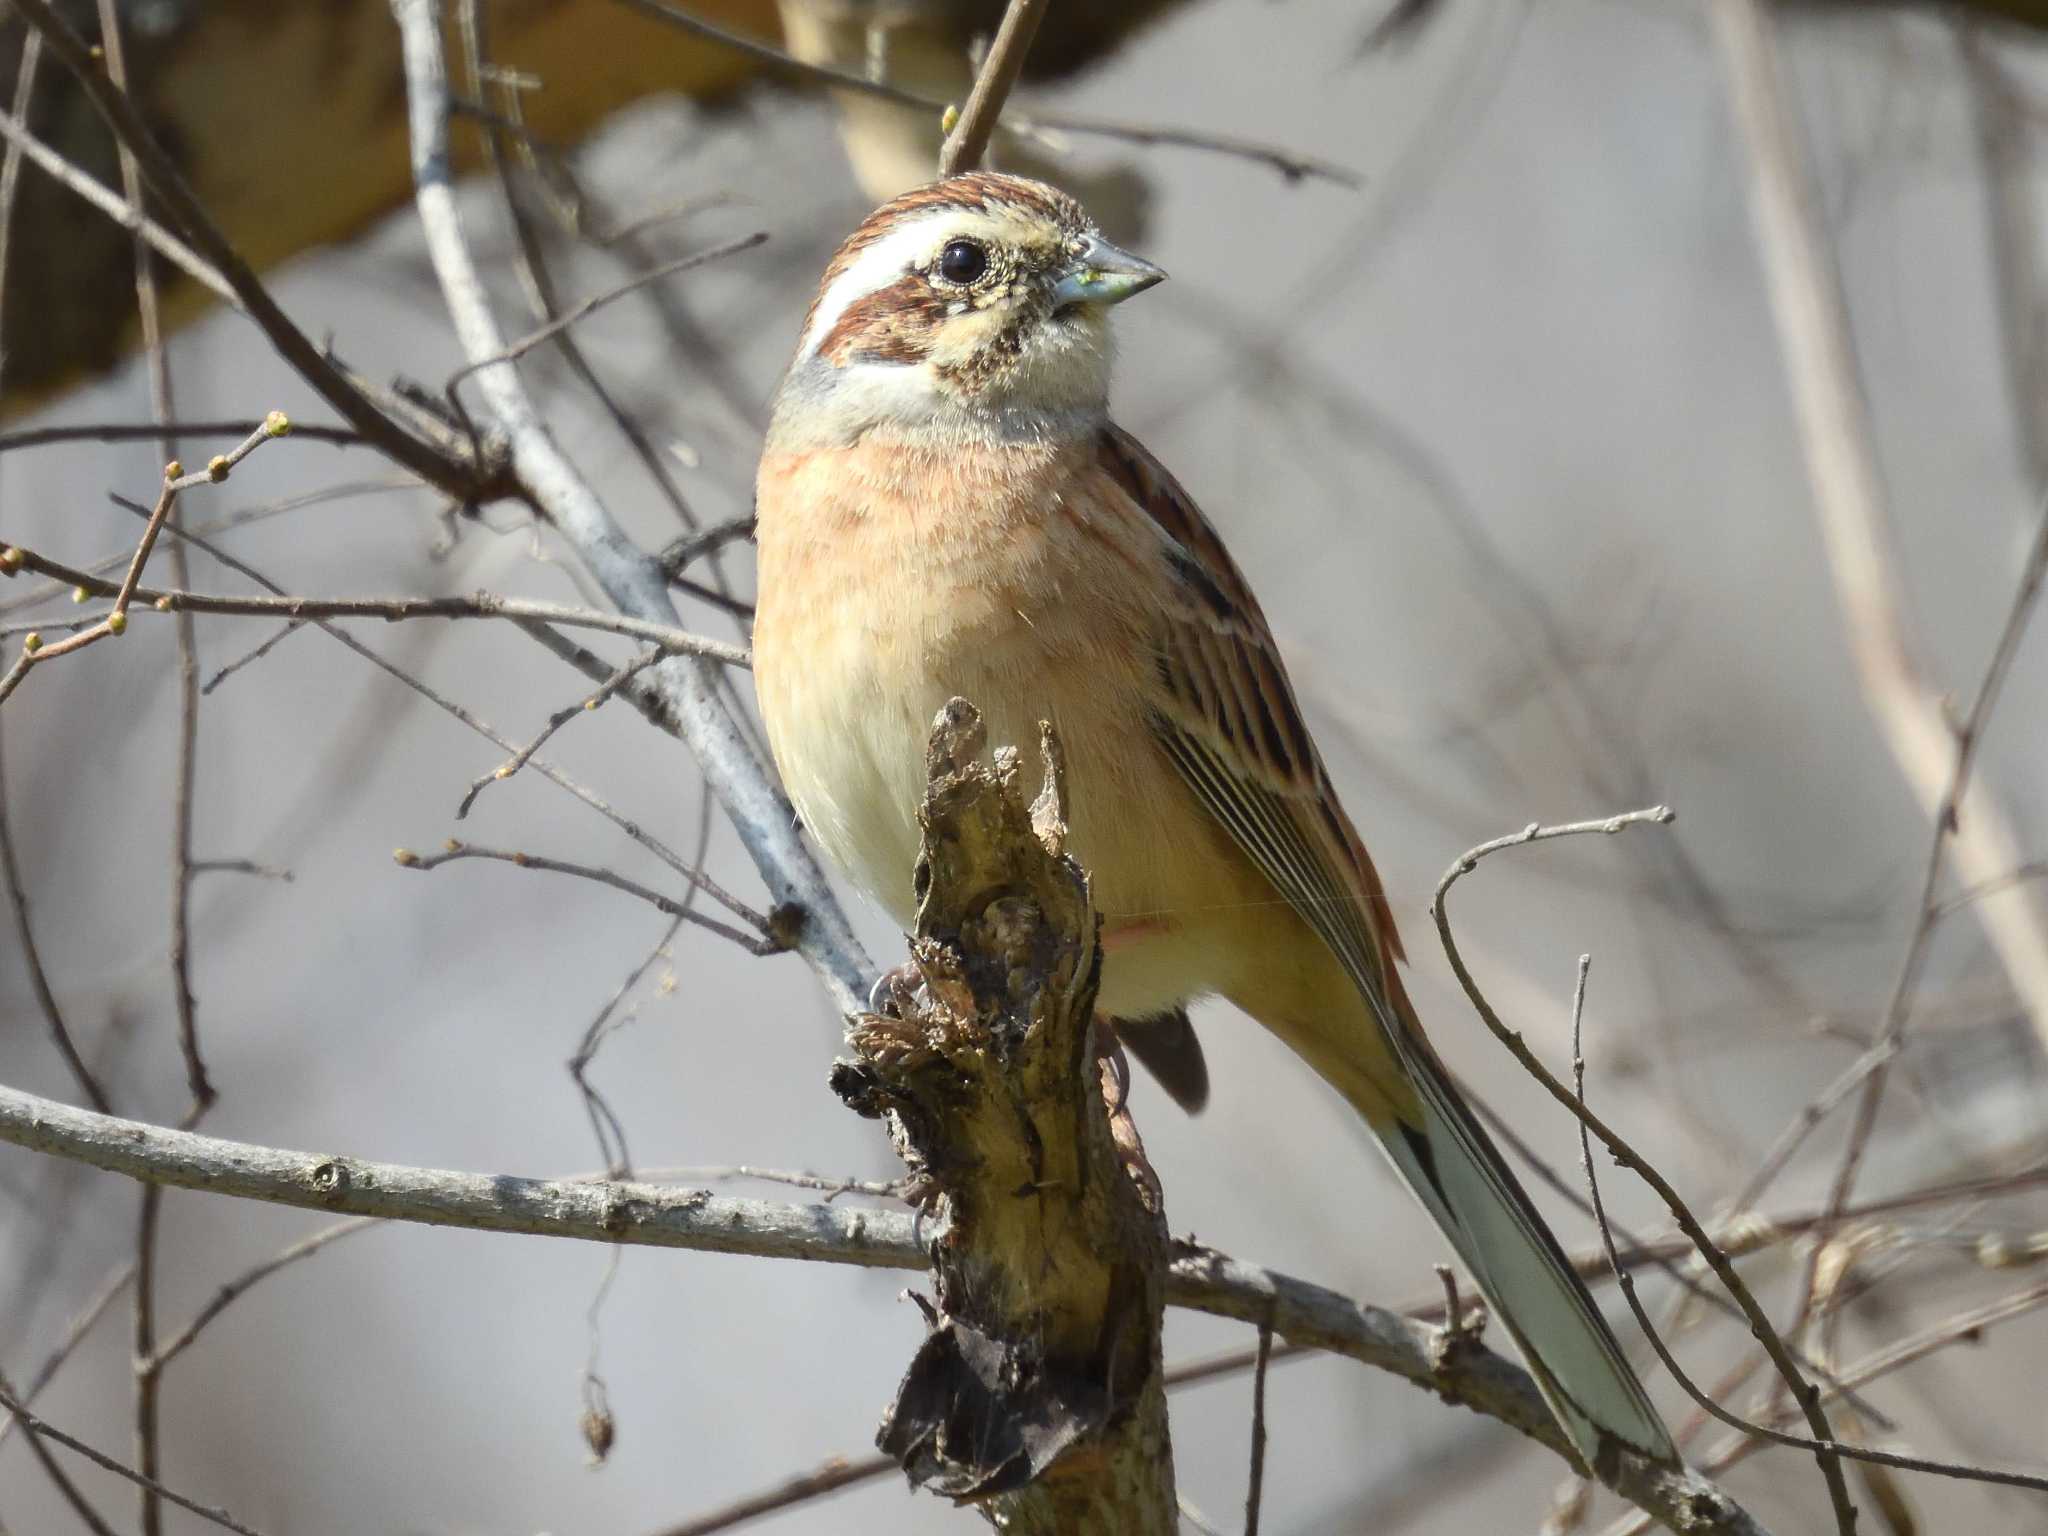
(1037,1392)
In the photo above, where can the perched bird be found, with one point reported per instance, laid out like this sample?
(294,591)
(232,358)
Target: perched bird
(945,508)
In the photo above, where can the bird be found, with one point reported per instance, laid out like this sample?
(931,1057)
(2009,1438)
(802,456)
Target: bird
(945,508)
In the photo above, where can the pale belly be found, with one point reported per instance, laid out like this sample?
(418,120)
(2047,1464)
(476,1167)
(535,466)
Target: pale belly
(851,674)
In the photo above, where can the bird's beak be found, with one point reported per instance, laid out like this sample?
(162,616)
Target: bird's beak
(1103,274)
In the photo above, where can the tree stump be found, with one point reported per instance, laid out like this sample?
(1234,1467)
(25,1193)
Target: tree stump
(1037,1393)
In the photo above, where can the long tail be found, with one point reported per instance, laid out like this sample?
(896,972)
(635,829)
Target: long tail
(1459,1175)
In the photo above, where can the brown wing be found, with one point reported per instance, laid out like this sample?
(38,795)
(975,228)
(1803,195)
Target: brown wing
(1227,716)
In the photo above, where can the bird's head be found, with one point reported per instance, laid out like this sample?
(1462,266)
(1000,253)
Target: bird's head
(975,306)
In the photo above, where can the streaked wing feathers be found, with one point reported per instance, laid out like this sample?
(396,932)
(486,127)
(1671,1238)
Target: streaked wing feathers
(1226,714)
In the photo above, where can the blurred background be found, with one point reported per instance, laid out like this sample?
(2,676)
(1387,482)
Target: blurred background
(1498,425)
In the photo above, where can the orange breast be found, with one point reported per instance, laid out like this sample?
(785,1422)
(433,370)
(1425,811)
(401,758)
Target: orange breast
(891,581)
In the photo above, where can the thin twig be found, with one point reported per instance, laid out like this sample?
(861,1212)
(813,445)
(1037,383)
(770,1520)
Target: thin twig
(1807,1396)
(249,658)
(473,605)
(969,138)
(68,1490)
(39,981)
(630,577)
(10,166)
(131,432)
(458,479)
(1965,1328)
(1256,1488)
(115,622)
(104,565)
(234,1289)
(74,1334)
(110,203)
(692,547)
(838,1473)
(556,721)
(754,944)
(554,775)
(218,1517)
(577,312)
(1946,827)
(605,1124)
(1291,165)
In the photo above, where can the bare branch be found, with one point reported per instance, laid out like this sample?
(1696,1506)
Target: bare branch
(405,858)
(458,479)
(969,138)
(1293,166)
(474,605)
(630,577)
(218,1517)
(1257,1486)
(595,302)
(838,1473)
(556,721)
(1807,1396)
(1814,333)
(132,432)
(653,1215)
(39,981)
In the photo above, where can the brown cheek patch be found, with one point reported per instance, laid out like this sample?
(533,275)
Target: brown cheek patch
(895,324)
(988,361)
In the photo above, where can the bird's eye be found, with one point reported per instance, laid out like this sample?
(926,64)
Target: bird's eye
(962,261)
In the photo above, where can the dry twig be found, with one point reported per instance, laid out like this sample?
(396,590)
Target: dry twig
(1807,1396)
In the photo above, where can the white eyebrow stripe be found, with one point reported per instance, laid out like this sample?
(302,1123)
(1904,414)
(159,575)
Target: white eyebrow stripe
(876,267)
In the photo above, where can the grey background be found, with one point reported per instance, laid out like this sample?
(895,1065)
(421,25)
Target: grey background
(1503,443)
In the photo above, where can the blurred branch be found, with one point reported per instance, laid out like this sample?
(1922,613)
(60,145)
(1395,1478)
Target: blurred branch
(840,1472)
(1293,166)
(1735,1421)
(67,1490)
(39,1427)
(651,1215)
(39,981)
(2005,148)
(632,578)
(1964,1328)
(464,481)
(1814,333)
(109,202)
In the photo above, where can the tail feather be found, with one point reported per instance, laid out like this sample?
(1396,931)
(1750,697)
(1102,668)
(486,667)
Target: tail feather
(1454,1168)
